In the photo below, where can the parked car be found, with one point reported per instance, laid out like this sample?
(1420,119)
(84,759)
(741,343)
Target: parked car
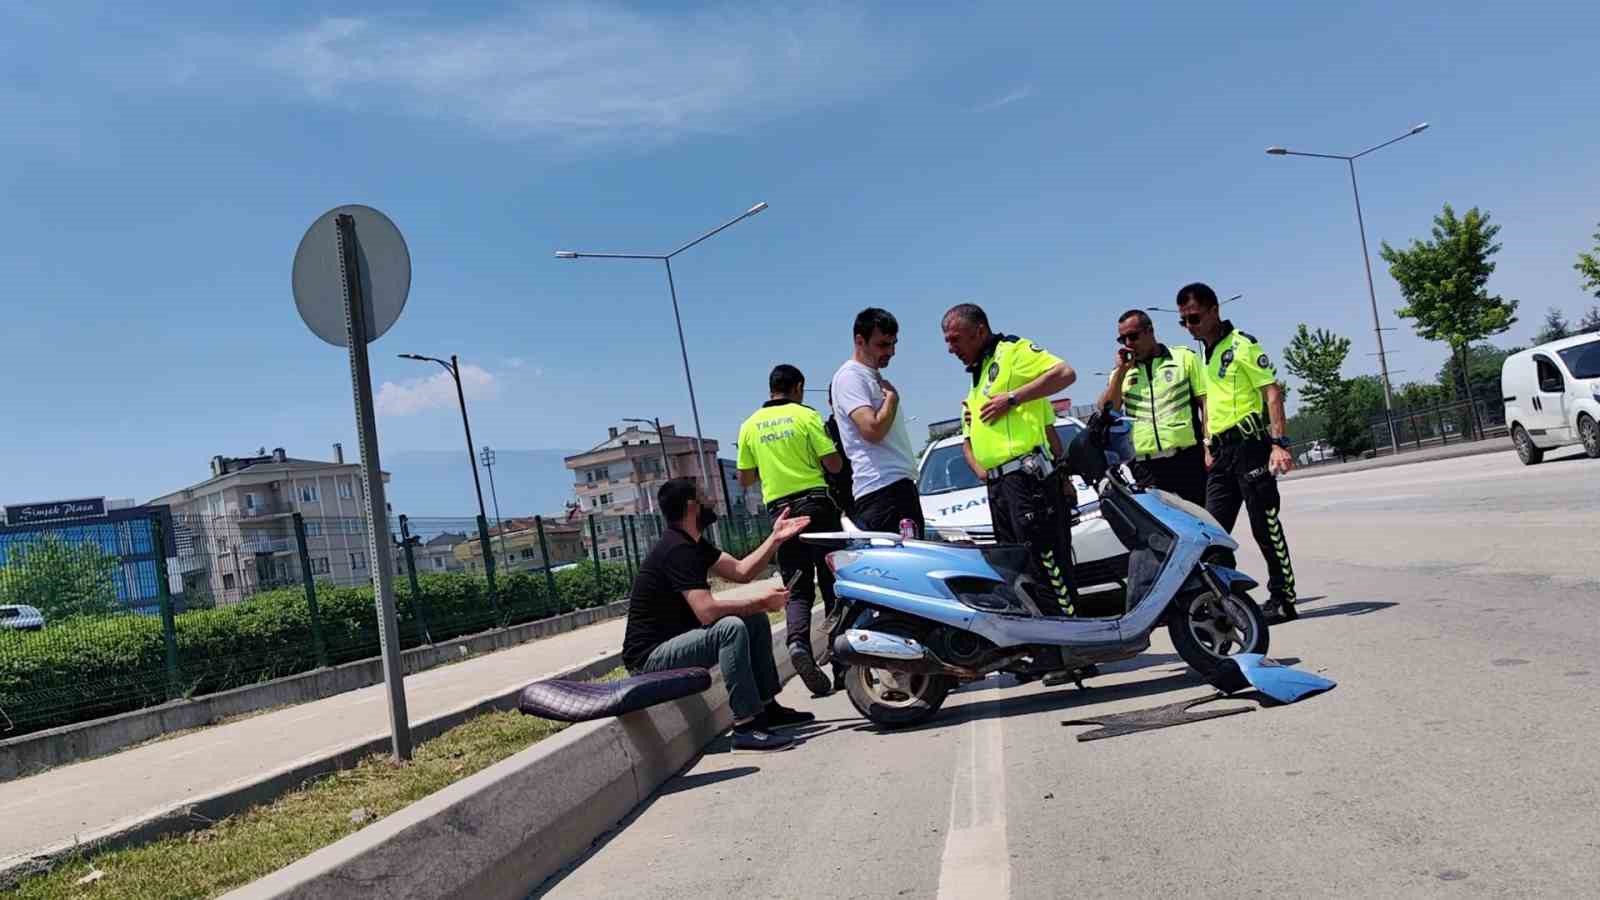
(955,505)
(1552,397)
(1319,451)
(20,618)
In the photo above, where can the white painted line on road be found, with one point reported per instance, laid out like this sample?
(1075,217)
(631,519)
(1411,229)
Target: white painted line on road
(976,862)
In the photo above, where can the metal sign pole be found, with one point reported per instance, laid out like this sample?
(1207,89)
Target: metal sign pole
(358,332)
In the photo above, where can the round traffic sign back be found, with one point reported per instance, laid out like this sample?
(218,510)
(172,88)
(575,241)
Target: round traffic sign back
(385,267)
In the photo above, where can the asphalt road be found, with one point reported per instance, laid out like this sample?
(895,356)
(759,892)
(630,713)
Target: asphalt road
(1456,605)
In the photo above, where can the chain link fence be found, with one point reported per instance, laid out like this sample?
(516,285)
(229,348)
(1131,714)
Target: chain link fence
(99,619)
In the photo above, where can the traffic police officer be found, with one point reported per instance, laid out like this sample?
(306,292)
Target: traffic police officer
(1160,387)
(1008,423)
(784,445)
(1247,444)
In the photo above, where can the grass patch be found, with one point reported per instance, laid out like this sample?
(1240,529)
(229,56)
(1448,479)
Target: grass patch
(260,841)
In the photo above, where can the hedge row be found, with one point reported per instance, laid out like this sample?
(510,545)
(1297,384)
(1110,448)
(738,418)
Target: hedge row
(87,668)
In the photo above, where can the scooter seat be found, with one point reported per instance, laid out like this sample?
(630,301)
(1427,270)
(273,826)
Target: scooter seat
(580,701)
(1010,560)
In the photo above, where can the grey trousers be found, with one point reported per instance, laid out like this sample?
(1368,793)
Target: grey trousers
(742,647)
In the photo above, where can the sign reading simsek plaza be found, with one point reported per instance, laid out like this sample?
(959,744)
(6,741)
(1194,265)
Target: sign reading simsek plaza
(29,513)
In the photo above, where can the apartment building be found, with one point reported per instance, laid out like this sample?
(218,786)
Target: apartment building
(516,548)
(620,477)
(235,531)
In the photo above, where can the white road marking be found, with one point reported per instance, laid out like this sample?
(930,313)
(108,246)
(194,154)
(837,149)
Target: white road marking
(976,862)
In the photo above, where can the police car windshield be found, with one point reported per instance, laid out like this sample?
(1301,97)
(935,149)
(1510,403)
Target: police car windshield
(945,469)
(1583,360)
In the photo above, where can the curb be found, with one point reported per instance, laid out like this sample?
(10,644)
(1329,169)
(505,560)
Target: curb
(1476,448)
(507,829)
(31,753)
(191,815)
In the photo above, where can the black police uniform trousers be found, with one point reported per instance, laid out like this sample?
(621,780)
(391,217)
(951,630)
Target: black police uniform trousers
(884,508)
(809,560)
(1030,511)
(1183,473)
(1239,474)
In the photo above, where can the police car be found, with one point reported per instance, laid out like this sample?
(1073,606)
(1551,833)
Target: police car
(955,505)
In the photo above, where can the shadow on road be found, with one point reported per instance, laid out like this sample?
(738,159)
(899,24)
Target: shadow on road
(1050,701)
(702,779)
(1354,608)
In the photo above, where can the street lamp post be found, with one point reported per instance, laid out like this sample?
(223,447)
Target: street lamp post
(454,368)
(1366,258)
(661,441)
(488,458)
(683,349)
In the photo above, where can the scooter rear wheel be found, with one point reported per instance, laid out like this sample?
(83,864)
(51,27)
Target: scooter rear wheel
(896,699)
(1208,629)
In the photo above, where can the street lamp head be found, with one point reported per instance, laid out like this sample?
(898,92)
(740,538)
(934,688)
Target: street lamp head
(413,356)
(1419,128)
(566,254)
(1277,151)
(763,205)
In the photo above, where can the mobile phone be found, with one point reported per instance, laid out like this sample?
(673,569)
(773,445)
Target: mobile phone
(793,580)
(1127,355)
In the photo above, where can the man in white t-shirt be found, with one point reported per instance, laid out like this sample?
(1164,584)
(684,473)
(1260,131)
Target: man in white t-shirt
(872,429)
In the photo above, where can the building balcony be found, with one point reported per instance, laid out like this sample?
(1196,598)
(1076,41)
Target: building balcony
(266,545)
(265,512)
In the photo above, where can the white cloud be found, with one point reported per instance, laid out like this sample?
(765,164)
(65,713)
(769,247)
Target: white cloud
(437,391)
(516,362)
(585,73)
(1012,96)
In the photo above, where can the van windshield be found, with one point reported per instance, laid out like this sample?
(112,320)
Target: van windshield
(1583,361)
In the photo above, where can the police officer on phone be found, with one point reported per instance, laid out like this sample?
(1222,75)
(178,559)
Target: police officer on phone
(1008,423)
(1161,389)
(784,445)
(1248,444)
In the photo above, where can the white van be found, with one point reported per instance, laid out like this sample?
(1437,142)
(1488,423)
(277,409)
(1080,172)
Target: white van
(1552,397)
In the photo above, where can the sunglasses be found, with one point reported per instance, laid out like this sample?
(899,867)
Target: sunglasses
(1191,319)
(1128,339)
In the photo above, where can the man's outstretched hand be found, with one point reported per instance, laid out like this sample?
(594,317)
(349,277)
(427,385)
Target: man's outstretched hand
(785,526)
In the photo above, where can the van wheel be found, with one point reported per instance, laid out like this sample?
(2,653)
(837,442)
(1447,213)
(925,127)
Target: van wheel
(1526,451)
(1589,431)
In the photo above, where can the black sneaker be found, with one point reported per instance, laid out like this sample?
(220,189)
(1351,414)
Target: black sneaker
(776,716)
(806,668)
(1280,608)
(760,740)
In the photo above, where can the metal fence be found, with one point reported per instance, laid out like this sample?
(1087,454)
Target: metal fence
(1415,428)
(89,627)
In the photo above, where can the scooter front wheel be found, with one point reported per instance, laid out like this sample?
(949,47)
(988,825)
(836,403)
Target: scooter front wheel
(896,699)
(1208,629)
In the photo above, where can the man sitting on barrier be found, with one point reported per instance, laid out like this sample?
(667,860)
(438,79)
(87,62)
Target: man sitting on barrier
(674,621)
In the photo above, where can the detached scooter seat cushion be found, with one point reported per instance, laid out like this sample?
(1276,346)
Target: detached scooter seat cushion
(580,701)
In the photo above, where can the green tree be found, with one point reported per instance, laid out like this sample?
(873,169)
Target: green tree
(1416,395)
(1483,373)
(62,579)
(1445,283)
(1555,327)
(1590,323)
(1316,358)
(1588,266)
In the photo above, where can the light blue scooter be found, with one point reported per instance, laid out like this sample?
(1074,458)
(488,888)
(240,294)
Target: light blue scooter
(916,618)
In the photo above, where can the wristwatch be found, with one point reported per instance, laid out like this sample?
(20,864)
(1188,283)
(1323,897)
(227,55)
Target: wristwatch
(1011,399)
(1281,442)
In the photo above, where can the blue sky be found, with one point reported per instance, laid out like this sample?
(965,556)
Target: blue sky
(1055,164)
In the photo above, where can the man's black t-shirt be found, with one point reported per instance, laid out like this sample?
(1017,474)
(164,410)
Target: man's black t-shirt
(657,610)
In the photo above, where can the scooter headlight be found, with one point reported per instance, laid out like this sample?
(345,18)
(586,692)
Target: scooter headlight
(838,559)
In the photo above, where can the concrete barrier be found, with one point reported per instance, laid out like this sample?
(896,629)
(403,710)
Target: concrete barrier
(23,756)
(505,830)
(205,811)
